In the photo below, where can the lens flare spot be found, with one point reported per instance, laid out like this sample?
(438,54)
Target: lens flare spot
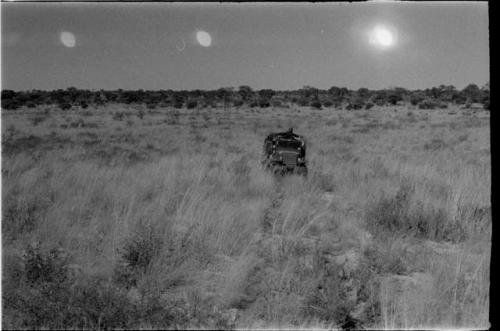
(204,38)
(68,39)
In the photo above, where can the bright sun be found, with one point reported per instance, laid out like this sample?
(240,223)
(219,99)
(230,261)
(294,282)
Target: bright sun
(204,38)
(381,37)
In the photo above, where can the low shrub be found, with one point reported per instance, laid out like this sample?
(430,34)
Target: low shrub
(11,104)
(118,116)
(65,106)
(316,104)
(428,104)
(303,102)
(402,214)
(264,103)
(141,113)
(136,256)
(35,120)
(354,106)
(328,103)
(276,103)
(238,103)
(40,266)
(191,104)
(19,216)
(79,123)
(486,104)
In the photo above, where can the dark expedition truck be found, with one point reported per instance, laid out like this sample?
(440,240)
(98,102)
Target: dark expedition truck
(285,152)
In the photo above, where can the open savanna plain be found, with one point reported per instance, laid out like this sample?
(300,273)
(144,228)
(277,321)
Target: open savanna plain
(128,217)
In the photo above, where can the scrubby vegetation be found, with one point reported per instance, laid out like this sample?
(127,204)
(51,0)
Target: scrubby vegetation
(131,216)
(436,97)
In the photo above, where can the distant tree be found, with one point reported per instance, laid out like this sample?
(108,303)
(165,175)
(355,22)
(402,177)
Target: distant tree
(10,100)
(394,98)
(266,93)
(245,92)
(363,93)
(416,97)
(338,92)
(472,93)
(380,98)
(446,92)
(459,98)
(485,95)
(224,94)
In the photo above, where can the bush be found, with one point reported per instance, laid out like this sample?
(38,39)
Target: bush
(369,105)
(415,99)
(303,102)
(151,105)
(20,215)
(65,106)
(238,103)
(403,215)
(137,255)
(191,104)
(37,119)
(84,105)
(316,104)
(264,103)
(486,104)
(276,103)
(79,123)
(90,303)
(141,113)
(428,104)
(10,104)
(118,116)
(328,103)
(354,106)
(44,266)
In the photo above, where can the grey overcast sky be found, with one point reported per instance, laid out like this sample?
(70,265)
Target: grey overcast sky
(278,46)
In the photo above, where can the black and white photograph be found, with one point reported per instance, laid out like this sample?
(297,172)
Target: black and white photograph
(245,165)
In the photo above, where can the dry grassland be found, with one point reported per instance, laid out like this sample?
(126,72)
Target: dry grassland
(125,218)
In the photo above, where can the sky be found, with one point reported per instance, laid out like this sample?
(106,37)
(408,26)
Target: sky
(282,46)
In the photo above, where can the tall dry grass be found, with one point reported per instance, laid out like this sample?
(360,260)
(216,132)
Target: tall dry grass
(169,221)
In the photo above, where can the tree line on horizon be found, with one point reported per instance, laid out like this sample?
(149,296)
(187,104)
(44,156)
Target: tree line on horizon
(338,97)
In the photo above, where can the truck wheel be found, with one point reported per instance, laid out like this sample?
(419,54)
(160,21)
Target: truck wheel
(277,170)
(302,171)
